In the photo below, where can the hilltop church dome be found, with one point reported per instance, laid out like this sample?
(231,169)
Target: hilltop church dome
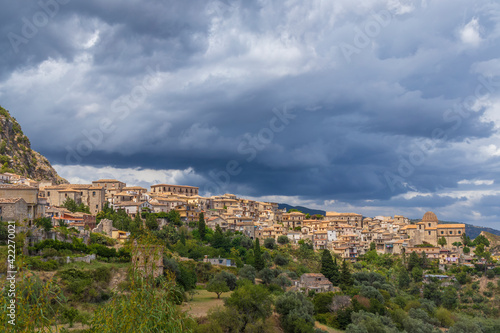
(429,217)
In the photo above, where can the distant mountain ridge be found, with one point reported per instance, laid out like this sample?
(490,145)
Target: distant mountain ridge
(304,210)
(16,155)
(471,230)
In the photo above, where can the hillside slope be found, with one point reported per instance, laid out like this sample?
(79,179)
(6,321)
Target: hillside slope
(16,155)
(494,242)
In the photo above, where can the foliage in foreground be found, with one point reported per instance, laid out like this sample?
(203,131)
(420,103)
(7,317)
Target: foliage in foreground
(150,307)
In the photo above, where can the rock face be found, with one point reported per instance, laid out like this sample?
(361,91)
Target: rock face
(16,155)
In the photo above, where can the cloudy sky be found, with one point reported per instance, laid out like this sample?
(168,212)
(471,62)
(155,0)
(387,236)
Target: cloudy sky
(379,107)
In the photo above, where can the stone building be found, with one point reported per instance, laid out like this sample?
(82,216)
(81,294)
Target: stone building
(28,211)
(220,261)
(342,218)
(15,209)
(428,230)
(110,185)
(293,219)
(314,281)
(175,189)
(89,195)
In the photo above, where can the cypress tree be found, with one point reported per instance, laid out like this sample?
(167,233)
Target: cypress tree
(328,268)
(183,238)
(218,238)
(345,276)
(403,279)
(413,261)
(336,269)
(423,260)
(202,226)
(258,260)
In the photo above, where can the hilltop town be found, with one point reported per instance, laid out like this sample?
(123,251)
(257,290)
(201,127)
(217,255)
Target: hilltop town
(349,235)
(91,247)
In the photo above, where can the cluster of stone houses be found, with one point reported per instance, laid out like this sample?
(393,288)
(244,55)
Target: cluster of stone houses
(349,235)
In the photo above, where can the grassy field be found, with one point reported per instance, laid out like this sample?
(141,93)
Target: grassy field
(94,264)
(204,301)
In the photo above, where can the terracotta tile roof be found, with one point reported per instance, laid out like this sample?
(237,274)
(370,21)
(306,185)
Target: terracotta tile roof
(129,203)
(166,185)
(313,275)
(452,225)
(17,187)
(107,181)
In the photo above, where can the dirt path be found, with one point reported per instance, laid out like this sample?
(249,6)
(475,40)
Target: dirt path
(326,328)
(120,275)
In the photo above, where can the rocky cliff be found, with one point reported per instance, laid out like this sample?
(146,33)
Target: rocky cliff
(16,155)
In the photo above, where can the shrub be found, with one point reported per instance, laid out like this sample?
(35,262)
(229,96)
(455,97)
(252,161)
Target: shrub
(283,239)
(248,272)
(49,252)
(295,312)
(490,274)
(96,238)
(477,298)
(103,251)
(270,243)
(462,277)
(102,274)
(38,265)
(322,302)
(372,293)
(70,314)
(280,260)
(142,307)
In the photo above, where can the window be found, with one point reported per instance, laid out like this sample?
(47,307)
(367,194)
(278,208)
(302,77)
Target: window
(451,232)
(442,232)
(93,194)
(48,194)
(429,224)
(459,232)
(429,232)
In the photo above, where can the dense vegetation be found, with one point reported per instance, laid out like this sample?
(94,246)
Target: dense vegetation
(378,293)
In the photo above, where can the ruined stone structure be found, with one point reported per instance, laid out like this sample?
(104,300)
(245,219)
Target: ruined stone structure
(148,260)
(105,226)
(314,281)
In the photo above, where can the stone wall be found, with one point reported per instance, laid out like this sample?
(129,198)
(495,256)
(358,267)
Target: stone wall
(68,260)
(15,211)
(29,194)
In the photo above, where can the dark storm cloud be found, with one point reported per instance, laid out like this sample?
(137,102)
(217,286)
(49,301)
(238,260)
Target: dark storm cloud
(430,201)
(266,84)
